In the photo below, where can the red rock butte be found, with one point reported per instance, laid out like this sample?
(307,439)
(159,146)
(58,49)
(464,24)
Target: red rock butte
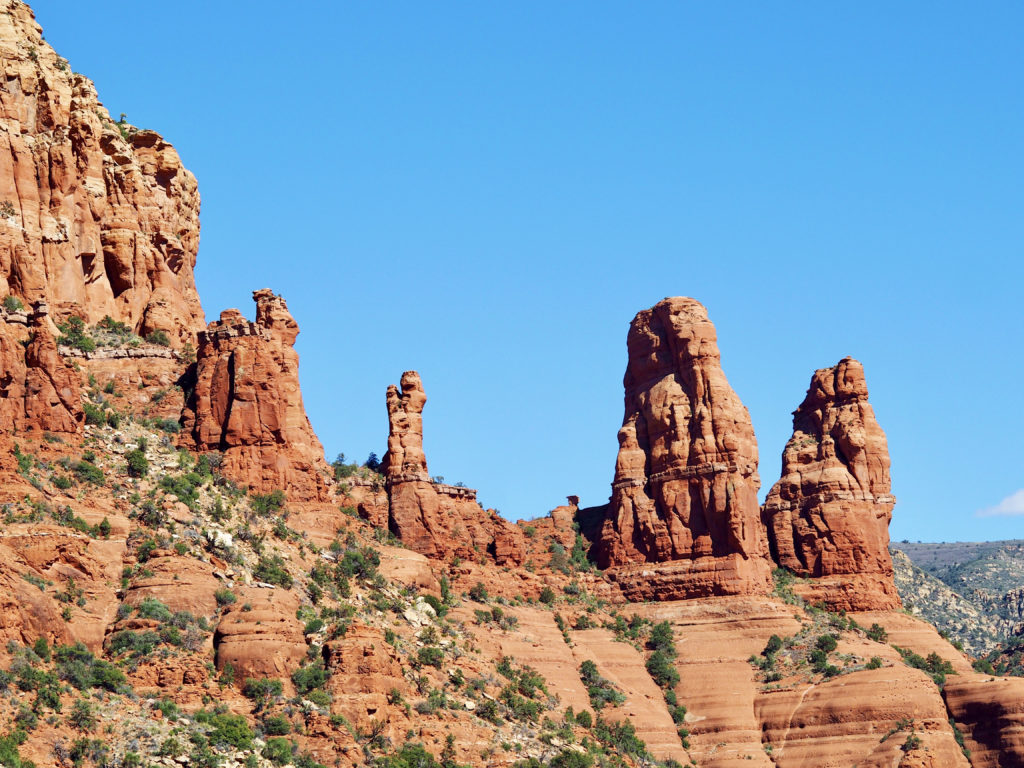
(683,520)
(828,515)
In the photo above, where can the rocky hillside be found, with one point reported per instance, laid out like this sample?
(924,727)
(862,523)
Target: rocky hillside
(974,591)
(185,580)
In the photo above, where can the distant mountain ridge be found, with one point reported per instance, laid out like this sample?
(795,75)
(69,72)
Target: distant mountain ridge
(972,590)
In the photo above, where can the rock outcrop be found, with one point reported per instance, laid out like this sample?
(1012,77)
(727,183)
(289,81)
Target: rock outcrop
(38,390)
(96,217)
(436,519)
(685,490)
(828,516)
(259,636)
(990,713)
(247,403)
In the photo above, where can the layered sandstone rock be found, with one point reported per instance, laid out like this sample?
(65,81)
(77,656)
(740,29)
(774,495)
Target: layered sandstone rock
(686,482)
(435,519)
(828,516)
(38,390)
(96,218)
(259,636)
(990,713)
(247,403)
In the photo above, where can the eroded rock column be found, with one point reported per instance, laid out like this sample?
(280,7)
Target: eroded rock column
(684,496)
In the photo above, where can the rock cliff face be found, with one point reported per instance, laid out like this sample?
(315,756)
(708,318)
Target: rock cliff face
(247,403)
(96,218)
(828,516)
(435,519)
(38,390)
(686,482)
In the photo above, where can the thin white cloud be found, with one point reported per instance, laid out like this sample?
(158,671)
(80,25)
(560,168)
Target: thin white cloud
(1011,505)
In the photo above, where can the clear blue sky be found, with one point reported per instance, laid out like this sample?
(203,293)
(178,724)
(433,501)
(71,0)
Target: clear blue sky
(488,192)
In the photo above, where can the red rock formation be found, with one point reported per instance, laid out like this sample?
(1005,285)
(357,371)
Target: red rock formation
(247,403)
(259,635)
(38,391)
(828,516)
(990,713)
(96,218)
(435,519)
(685,488)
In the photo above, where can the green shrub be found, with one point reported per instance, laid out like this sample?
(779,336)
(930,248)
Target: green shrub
(547,596)
(73,334)
(267,503)
(232,730)
(875,663)
(139,644)
(225,597)
(272,571)
(262,691)
(478,592)
(82,716)
(94,414)
(570,758)
(151,608)
(170,426)
(276,725)
(13,304)
(138,464)
(601,691)
(360,563)
(827,643)
(662,670)
(877,633)
(159,337)
(88,472)
(278,750)
(439,607)
(309,677)
(430,656)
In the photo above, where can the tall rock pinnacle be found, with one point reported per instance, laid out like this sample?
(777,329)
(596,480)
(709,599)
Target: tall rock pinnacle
(828,516)
(686,482)
(247,402)
(436,519)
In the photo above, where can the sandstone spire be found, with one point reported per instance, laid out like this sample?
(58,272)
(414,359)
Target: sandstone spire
(828,516)
(247,402)
(686,482)
(436,519)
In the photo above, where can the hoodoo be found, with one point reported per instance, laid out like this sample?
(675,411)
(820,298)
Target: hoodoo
(828,516)
(436,519)
(685,490)
(247,402)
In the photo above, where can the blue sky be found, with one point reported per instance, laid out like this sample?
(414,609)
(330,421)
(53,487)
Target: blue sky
(488,193)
